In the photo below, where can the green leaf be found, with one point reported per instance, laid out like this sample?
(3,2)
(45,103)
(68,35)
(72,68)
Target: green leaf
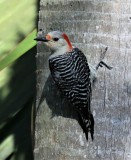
(21,48)
(7,147)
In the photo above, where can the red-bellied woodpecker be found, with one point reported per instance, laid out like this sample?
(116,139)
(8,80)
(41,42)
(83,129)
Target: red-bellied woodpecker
(72,74)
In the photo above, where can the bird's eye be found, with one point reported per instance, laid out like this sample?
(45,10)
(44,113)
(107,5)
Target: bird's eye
(55,39)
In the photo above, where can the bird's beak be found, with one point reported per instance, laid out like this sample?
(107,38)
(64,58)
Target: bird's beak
(43,39)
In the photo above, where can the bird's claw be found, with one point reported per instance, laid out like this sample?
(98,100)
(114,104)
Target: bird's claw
(101,63)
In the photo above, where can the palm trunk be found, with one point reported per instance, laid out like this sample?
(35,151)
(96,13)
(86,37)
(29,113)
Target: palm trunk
(91,26)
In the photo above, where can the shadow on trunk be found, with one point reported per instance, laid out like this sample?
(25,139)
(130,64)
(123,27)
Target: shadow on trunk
(56,101)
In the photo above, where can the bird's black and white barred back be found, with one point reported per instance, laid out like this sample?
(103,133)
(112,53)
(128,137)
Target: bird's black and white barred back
(73,76)
(71,73)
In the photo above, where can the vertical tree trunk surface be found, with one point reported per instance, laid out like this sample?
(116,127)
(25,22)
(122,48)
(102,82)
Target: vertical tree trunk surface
(91,25)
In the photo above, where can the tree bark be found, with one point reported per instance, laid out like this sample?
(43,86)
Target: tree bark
(91,26)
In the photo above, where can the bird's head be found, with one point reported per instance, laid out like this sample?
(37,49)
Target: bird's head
(56,40)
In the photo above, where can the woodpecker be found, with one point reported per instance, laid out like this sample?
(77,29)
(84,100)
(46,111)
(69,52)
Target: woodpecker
(71,72)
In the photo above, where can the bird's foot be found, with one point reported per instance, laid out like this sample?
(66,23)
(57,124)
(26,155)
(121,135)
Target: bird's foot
(101,64)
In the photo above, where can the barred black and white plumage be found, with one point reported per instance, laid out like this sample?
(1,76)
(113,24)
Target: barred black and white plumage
(71,73)
(73,76)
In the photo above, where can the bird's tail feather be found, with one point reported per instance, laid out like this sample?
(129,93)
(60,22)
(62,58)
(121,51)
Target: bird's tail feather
(86,121)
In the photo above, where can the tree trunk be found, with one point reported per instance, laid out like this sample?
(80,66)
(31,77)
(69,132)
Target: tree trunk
(91,26)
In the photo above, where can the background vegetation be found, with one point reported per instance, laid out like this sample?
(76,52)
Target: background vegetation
(17,81)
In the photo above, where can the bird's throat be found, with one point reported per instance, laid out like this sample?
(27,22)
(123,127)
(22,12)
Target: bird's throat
(60,51)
